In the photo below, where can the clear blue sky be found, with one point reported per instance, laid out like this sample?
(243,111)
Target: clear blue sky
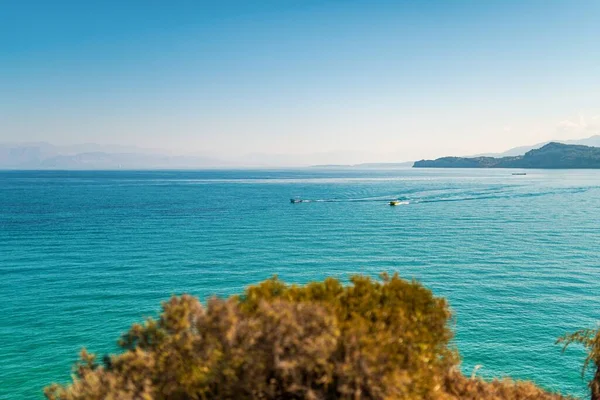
(383,80)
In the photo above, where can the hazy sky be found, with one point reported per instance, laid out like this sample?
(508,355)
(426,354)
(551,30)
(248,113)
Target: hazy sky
(384,80)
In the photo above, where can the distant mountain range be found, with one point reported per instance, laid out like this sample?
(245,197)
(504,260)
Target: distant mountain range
(552,155)
(92,156)
(406,164)
(41,155)
(593,141)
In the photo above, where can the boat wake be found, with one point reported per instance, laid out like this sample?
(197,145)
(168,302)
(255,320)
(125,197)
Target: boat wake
(360,200)
(440,196)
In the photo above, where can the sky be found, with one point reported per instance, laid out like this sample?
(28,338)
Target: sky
(364,81)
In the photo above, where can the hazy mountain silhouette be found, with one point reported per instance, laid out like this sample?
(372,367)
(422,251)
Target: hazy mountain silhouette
(593,141)
(91,156)
(42,155)
(550,156)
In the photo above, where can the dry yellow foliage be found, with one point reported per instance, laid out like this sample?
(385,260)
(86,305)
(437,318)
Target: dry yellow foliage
(387,339)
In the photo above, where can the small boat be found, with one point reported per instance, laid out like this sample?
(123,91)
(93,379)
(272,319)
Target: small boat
(395,202)
(294,201)
(519,173)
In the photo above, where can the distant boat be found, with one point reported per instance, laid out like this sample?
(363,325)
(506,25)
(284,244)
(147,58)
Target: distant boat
(397,203)
(519,173)
(294,201)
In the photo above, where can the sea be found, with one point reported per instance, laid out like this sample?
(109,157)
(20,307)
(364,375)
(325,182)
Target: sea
(84,254)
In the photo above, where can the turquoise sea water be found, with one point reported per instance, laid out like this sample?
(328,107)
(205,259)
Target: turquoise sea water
(85,254)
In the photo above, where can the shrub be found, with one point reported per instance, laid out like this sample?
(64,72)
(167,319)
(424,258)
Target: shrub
(590,339)
(385,339)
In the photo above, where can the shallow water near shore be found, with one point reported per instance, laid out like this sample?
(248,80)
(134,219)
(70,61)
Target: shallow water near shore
(85,254)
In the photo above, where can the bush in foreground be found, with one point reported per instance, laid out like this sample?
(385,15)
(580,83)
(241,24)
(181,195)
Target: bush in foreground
(367,340)
(590,340)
